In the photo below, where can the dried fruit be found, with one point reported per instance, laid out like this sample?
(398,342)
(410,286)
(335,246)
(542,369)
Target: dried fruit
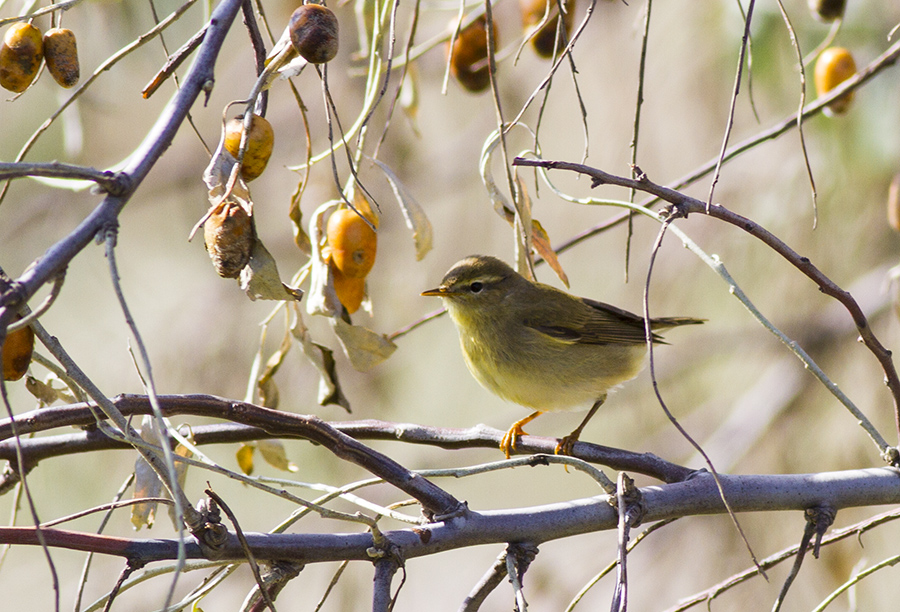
(352,242)
(469,56)
(61,55)
(834,66)
(20,56)
(542,41)
(228,235)
(893,203)
(314,33)
(828,10)
(350,291)
(259,144)
(16,353)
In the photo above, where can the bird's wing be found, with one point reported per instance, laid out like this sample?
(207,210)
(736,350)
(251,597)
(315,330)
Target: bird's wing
(592,323)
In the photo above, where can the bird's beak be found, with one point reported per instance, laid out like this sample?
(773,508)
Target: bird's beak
(438,292)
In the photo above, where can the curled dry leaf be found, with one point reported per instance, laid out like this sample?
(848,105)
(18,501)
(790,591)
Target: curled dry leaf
(364,348)
(260,279)
(148,484)
(322,299)
(541,242)
(322,359)
(45,393)
(416,220)
(265,383)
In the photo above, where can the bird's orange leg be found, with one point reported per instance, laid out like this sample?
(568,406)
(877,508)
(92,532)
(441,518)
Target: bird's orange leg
(567,444)
(508,443)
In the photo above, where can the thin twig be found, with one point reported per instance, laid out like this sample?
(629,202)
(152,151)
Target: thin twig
(734,95)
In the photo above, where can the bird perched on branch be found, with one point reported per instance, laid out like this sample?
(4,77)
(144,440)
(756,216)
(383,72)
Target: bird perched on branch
(540,347)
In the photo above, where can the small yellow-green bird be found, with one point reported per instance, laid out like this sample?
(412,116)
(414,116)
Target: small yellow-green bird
(540,347)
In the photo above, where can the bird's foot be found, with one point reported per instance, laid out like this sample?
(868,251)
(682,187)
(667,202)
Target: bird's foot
(508,443)
(566,445)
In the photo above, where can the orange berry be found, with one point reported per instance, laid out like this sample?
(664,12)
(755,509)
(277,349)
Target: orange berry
(259,144)
(542,41)
(16,353)
(834,66)
(20,56)
(469,56)
(350,291)
(353,243)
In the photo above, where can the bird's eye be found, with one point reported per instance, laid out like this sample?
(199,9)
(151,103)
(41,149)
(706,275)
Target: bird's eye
(476,287)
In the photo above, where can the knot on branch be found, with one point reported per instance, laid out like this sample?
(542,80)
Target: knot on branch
(211,534)
(891,456)
(628,501)
(818,520)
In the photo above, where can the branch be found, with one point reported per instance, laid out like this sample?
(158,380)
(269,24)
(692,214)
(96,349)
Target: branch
(698,496)
(275,423)
(261,423)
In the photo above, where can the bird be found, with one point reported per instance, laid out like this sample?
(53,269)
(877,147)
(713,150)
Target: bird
(540,347)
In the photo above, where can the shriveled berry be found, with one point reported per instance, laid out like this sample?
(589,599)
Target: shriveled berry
(228,235)
(827,10)
(314,33)
(61,55)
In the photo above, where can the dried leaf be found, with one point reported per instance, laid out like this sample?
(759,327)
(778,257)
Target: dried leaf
(322,359)
(146,482)
(541,242)
(46,393)
(265,384)
(217,177)
(301,238)
(322,299)
(275,455)
(518,213)
(416,220)
(244,457)
(409,95)
(365,348)
(181,469)
(260,279)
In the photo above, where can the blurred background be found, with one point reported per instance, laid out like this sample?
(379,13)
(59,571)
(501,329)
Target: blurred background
(732,384)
